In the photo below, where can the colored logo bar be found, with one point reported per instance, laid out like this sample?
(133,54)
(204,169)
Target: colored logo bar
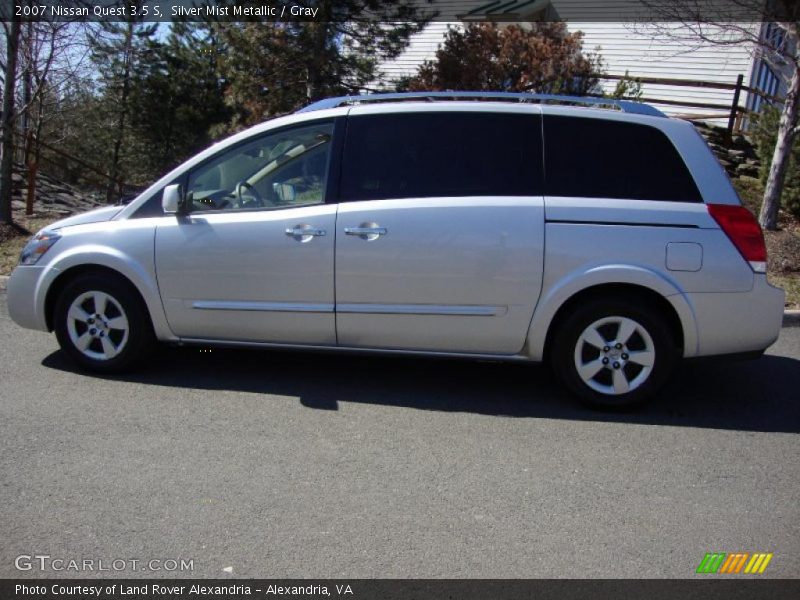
(734,562)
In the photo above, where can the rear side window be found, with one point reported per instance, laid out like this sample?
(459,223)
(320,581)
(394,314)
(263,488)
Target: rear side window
(598,158)
(423,155)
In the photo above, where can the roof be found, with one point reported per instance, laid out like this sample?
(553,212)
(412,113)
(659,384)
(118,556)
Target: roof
(511,10)
(626,106)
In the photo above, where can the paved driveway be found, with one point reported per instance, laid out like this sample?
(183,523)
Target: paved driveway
(279,464)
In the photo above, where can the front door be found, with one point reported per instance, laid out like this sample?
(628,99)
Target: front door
(440,232)
(253,261)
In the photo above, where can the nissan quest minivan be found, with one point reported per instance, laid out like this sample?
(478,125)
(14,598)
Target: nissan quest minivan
(597,235)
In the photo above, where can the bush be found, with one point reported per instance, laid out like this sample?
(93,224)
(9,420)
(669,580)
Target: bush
(765,134)
(543,57)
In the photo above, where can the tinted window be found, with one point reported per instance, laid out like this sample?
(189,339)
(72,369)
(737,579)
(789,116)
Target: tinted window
(422,155)
(597,158)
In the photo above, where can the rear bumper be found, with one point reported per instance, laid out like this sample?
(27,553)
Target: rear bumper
(25,293)
(734,323)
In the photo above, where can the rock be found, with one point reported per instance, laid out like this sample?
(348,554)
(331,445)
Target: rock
(64,199)
(747,178)
(747,170)
(739,141)
(53,196)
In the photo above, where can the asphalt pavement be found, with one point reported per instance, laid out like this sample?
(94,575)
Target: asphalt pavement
(279,464)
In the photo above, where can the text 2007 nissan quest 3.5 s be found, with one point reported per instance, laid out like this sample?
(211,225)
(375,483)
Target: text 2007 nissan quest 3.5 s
(606,240)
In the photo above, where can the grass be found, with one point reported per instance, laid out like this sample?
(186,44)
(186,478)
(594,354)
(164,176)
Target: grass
(751,192)
(783,247)
(790,282)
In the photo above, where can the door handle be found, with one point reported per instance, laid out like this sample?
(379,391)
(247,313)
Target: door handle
(305,231)
(366,233)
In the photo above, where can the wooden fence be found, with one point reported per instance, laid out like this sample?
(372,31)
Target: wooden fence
(734,112)
(62,160)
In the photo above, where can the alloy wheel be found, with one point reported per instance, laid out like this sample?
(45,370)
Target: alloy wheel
(97,325)
(614,355)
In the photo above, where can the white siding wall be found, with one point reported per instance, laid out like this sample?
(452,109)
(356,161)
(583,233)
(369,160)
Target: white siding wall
(642,50)
(638,49)
(422,47)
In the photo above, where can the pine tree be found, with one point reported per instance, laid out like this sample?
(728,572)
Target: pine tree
(177,98)
(275,68)
(120,51)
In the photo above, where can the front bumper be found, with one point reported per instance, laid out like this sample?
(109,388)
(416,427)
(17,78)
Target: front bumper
(26,293)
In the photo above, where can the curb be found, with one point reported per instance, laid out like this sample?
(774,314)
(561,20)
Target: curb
(791,318)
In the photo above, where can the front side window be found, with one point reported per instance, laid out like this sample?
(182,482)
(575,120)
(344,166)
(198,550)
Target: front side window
(282,169)
(437,154)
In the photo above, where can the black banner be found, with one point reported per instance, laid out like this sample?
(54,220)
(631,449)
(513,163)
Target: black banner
(733,588)
(276,11)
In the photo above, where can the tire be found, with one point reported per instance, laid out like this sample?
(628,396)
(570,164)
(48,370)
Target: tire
(101,323)
(613,352)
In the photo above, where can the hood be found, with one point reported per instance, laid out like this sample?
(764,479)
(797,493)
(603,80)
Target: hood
(105,213)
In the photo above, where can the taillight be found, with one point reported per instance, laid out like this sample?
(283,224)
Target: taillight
(741,227)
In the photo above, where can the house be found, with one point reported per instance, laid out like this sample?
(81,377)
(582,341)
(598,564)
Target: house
(628,44)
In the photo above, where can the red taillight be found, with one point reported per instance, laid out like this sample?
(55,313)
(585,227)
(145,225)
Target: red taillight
(741,227)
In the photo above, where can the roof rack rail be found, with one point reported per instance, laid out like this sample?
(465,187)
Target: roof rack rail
(627,106)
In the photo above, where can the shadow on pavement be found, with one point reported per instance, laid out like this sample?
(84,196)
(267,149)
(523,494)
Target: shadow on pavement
(758,395)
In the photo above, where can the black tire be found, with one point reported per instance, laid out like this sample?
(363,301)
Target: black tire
(127,348)
(600,391)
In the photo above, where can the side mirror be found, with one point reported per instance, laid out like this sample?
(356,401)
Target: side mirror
(172,199)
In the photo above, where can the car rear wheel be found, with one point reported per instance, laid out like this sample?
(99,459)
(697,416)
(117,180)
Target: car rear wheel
(614,352)
(101,323)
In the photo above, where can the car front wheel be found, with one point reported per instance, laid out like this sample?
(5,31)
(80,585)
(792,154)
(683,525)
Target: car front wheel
(101,323)
(614,352)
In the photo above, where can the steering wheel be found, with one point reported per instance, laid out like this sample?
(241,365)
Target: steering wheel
(253,192)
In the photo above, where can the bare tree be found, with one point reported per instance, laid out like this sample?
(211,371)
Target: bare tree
(46,57)
(12,32)
(745,23)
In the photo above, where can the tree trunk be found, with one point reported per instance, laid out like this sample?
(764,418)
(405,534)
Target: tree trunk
(768,218)
(27,85)
(7,122)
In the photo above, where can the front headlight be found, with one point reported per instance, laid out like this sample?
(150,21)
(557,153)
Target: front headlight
(37,246)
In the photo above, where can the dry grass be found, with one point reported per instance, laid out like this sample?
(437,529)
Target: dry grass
(791,284)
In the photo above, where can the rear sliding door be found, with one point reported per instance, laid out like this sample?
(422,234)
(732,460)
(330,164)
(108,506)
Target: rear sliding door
(440,230)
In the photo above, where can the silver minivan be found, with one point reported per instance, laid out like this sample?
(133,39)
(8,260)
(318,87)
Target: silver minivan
(598,235)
